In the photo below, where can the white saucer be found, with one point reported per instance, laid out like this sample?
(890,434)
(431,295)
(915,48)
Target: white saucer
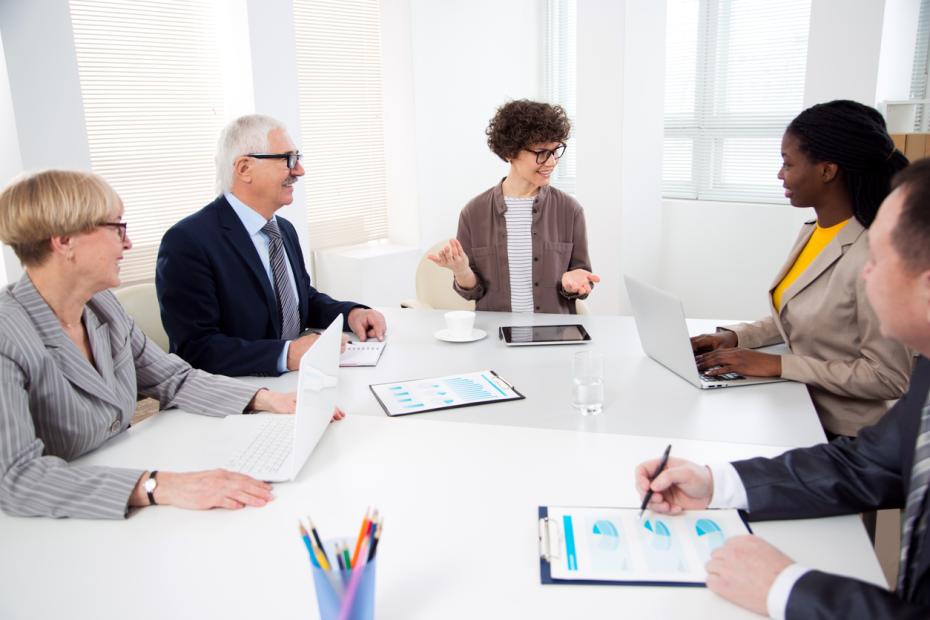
(476,334)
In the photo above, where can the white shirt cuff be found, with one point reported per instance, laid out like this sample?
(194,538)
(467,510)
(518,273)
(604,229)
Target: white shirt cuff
(729,491)
(282,359)
(777,600)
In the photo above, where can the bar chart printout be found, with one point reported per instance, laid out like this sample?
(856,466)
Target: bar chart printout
(421,395)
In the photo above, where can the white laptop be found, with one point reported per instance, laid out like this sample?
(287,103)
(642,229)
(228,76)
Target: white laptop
(663,332)
(274,447)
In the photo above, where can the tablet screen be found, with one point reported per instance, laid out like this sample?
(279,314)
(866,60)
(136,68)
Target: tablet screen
(541,334)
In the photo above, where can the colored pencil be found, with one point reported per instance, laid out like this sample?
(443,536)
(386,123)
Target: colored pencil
(349,599)
(361,536)
(306,538)
(374,544)
(316,536)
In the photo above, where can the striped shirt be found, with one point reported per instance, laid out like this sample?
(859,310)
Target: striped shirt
(519,218)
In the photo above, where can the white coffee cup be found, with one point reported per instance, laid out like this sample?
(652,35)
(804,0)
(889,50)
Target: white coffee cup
(459,323)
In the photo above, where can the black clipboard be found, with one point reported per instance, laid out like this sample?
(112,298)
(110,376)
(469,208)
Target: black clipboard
(513,394)
(545,556)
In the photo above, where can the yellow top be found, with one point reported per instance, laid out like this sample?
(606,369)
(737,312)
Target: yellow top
(814,246)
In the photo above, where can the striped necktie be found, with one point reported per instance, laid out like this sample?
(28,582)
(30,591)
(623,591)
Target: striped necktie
(290,317)
(915,514)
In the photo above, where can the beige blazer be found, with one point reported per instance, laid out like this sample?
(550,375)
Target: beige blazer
(833,335)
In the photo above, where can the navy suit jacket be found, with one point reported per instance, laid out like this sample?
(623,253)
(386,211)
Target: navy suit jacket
(217,305)
(842,477)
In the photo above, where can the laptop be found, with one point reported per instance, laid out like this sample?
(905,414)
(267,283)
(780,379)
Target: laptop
(663,332)
(274,447)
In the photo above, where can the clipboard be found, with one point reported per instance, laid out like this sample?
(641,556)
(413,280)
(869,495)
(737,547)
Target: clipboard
(557,546)
(437,393)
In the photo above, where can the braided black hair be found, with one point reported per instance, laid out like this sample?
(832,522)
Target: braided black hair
(854,137)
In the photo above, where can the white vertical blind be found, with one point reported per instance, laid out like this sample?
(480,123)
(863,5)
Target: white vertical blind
(921,63)
(153,104)
(734,79)
(342,119)
(560,78)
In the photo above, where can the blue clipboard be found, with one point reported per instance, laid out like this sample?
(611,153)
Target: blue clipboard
(545,573)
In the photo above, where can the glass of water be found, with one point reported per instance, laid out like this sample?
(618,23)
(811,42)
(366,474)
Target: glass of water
(588,382)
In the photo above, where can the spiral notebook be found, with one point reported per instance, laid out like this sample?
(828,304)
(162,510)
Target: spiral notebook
(361,353)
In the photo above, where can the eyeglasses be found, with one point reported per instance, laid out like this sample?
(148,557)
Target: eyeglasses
(292,157)
(119,226)
(543,155)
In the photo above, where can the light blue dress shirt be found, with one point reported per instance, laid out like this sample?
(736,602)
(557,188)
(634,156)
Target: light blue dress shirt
(253,223)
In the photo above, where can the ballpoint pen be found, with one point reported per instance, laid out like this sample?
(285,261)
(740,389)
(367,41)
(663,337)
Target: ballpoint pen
(662,464)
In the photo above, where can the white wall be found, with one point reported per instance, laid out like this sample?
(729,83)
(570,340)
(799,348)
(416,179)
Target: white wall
(899,38)
(468,59)
(11,163)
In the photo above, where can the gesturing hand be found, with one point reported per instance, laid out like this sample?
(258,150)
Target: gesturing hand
(579,281)
(367,323)
(452,256)
(743,571)
(682,485)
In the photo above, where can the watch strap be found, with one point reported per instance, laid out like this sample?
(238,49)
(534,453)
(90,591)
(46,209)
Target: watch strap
(151,493)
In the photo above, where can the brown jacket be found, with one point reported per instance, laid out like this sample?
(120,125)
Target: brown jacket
(560,244)
(851,370)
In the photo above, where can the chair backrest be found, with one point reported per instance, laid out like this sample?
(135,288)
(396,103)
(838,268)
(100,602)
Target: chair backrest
(141,303)
(434,284)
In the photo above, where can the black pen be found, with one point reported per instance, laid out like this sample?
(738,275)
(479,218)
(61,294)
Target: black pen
(655,475)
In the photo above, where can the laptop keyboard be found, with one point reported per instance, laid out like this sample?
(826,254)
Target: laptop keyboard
(269,448)
(727,376)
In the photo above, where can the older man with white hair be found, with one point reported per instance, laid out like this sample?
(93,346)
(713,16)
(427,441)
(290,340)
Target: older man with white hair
(234,293)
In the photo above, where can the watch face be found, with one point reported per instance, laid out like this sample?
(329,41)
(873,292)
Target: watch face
(150,485)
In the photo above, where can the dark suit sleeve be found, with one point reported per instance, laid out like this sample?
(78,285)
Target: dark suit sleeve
(822,595)
(191,315)
(843,477)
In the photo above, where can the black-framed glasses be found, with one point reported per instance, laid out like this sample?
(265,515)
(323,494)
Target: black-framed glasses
(119,226)
(543,155)
(292,157)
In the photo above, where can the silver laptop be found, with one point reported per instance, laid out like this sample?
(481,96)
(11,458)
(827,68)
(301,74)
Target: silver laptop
(274,447)
(663,332)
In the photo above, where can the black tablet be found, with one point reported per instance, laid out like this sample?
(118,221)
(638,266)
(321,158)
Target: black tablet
(517,336)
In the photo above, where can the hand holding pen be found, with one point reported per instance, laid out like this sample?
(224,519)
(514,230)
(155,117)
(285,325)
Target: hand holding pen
(670,485)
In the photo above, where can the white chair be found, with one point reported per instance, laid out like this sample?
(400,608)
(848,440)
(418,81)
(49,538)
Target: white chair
(141,303)
(434,288)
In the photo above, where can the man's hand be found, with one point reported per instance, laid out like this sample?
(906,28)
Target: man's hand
(743,571)
(367,323)
(742,361)
(300,345)
(711,342)
(579,281)
(682,485)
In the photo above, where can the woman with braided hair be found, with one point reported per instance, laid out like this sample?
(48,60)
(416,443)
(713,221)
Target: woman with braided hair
(837,159)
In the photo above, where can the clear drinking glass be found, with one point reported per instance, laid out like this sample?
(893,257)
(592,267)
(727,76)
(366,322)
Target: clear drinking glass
(588,382)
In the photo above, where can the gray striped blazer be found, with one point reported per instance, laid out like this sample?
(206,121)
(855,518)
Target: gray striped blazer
(56,406)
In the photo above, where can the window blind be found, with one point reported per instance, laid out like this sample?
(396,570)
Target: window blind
(153,106)
(342,119)
(734,79)
(559,80)
(921,61)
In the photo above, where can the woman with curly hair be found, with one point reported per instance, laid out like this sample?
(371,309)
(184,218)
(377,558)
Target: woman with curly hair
(521,245)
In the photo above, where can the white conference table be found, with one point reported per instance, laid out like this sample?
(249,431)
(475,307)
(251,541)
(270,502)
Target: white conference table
(459,490)
(460,532)
(641,396)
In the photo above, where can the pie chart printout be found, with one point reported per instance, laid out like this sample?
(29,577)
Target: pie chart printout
(663,551)
(710,536)
(608,546)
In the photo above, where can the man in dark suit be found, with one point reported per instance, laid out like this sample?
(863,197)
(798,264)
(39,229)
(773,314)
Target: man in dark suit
(233,290)
(887,466)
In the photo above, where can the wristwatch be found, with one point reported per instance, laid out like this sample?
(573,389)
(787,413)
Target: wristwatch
(150,486)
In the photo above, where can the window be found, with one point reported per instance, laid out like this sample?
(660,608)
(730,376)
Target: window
(734,79)
(921,61)
(342,119)
(560,78)
(153,103)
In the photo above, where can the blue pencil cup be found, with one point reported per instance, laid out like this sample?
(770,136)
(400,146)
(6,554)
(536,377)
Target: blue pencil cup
(329,599)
